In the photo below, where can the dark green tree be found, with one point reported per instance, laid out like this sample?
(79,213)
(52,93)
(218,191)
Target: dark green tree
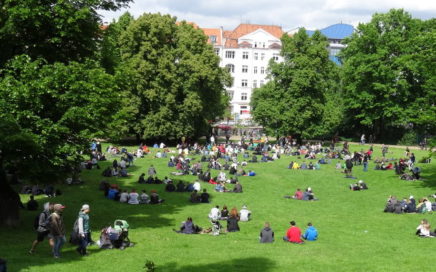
(53,111)
(389,74)
(56,30)
(301,98)
(172,76)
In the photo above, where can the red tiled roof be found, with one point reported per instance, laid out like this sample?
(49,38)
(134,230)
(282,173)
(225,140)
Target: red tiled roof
(244,29)
(213,32)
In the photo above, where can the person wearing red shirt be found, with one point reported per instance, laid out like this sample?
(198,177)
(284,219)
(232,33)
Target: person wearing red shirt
(298,195)
(293,234)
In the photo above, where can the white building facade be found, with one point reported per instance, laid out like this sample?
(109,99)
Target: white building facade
(246,53)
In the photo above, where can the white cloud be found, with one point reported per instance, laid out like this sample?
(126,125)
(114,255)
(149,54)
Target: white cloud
(286,13)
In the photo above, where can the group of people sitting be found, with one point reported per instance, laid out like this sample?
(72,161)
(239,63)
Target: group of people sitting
(408,205)
(113,192)
(307,195)
(311,166)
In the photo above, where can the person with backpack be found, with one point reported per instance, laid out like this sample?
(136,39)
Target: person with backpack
(57,229)
(41,225)
(83,229)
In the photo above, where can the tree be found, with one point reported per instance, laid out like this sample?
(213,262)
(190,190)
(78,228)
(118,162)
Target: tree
(172,76)
(389,73)
(50,113)
(300,97)
(110,51)
(56,30)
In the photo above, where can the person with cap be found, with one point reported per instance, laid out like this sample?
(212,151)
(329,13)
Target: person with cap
(57,229)
(244,214)
(84,229)
(42,230)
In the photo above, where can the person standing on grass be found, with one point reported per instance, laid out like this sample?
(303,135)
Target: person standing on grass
(151,171)
(43,227)
(293,235)
(266,234)
(84,229)
(311,233)
(362,139)
(57,229)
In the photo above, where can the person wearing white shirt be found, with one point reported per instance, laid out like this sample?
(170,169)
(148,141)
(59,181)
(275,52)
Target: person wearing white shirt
(124,197)
(123,164)
(133,197)
(215,213)
(423,230)
(197,186)
(244,214)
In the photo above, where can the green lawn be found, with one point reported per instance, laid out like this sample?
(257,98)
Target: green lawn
(355,235)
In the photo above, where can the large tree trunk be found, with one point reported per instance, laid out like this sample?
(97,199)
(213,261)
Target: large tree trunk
(9,203)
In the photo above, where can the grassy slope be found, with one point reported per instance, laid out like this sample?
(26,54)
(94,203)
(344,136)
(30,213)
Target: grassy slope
(355,235)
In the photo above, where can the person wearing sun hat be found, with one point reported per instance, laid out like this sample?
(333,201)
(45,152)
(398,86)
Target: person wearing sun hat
(57,229)
(84,229)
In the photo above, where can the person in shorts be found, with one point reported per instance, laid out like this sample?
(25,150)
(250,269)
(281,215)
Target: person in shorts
(42,231)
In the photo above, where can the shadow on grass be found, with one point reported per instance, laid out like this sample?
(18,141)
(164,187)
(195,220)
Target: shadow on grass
(240,265)
(428,178)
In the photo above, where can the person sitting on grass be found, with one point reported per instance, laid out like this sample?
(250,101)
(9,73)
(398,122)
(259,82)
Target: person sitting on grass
(362,185)
(232,221)
(224,213)
(204,197)
(180,186)
(170,187)
(244,214)
(293,235)
(188,227)
(238,188)
(141,179)
(311,234)
(266,234)
(144,198)
(154,198)
(133,197)
(113,193)
(124,196)
(32,205)
(195,198)
(298,194)
(411,205)
(309,195)
(423,230)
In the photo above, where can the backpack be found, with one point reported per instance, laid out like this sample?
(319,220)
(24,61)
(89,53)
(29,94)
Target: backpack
(36,221)
(75,237)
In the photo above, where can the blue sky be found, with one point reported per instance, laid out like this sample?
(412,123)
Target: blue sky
(289,14)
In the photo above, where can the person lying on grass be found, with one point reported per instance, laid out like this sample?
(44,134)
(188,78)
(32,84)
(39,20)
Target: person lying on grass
(358,186)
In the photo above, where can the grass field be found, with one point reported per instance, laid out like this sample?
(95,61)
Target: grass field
(354,233)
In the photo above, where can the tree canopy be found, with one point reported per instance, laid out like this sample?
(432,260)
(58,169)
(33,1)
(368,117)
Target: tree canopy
(172,78)
(301,97)
(389,73)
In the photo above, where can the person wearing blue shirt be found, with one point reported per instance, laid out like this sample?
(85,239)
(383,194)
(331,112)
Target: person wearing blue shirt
(311,233)
(251,173)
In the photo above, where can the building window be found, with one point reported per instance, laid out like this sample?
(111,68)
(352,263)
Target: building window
(275,56)
(217,51)
(245,55)
(261,83)
(243,110)
(254,83)
(212,39)
(230,68)
(230,93)
(262,70)
(244,83)
(244,69)
(255,69)
(230,54)
(262,56)
(243,96)
(256,56)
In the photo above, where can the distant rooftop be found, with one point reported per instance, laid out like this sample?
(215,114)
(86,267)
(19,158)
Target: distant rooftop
(336,31)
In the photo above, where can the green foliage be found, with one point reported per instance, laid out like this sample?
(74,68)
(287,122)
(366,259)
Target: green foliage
(302,97)
(172,78)
(409,138)
(59,108)
(56,30)
(389,73)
